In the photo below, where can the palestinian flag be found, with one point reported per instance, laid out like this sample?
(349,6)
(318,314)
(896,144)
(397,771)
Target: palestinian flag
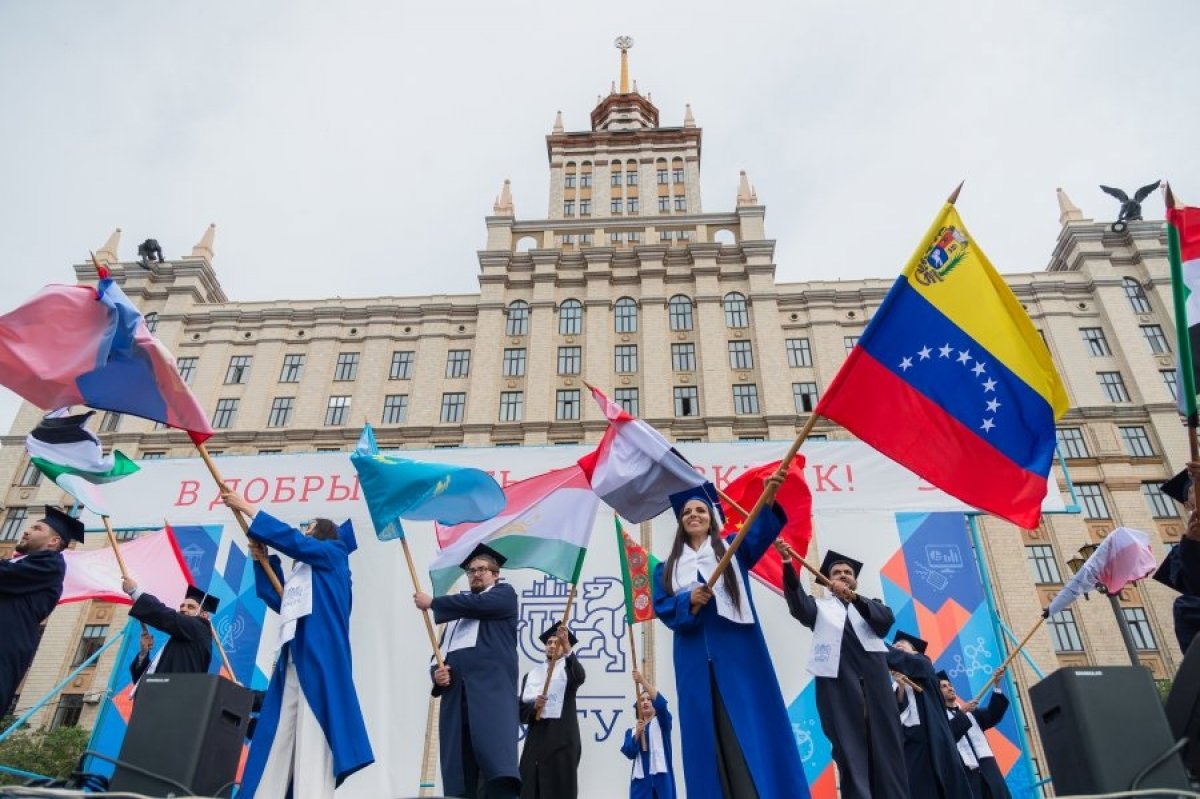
(1183,234)
(63,449)
(637,570)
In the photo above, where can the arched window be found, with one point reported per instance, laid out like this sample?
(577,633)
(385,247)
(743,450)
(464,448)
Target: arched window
(570,318)
(518,319)
(626,315)
(679,309)
(1137,296)
(151,321)
(736,314)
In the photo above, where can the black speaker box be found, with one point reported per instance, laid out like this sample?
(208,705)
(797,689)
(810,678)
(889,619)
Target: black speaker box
(186,729)
(1101,727)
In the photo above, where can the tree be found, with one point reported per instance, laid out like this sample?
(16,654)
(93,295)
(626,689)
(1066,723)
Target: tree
(51,753)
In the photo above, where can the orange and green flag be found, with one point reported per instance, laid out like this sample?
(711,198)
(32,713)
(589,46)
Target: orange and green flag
(637,570)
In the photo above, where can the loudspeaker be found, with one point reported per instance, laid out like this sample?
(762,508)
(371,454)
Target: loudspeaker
(1101,727)
(1183,706)
(186,730)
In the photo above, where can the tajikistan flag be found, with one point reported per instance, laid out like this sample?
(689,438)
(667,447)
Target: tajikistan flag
(1183,233)
(63,449)
(545,525)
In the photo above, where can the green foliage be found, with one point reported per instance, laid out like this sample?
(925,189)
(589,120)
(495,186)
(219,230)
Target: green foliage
(51,753)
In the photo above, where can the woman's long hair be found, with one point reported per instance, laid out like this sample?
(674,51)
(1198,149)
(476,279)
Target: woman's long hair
(718,545)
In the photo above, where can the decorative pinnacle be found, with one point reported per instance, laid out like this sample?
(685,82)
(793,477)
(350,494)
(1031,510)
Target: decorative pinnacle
(1067,210)
(623,43)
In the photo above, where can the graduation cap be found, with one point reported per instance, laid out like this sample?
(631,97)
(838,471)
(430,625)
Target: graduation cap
(207,602)
(942,675)
(834,558)
(345,532)
(1177,487)
(1170,571)
(705,492)
(553,630)
(483,551)
(67,526)
(917,643)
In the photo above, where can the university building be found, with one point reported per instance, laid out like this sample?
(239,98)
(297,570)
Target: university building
(628,282)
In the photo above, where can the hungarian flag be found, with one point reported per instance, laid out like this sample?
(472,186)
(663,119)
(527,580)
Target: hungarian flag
(153,560)
(793,497)
(63,449)
(637,570)
(633,469)
(1123,557)
(545,525)
(1183,236)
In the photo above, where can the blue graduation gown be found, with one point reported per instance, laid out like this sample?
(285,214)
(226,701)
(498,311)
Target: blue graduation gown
(737,656)
(652,786)
(321,651)
(483,683)
(29,590)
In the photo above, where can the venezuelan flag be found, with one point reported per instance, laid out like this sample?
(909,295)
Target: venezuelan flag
(953,381)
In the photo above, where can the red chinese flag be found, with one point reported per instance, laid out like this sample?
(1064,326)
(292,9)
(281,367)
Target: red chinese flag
(795,499)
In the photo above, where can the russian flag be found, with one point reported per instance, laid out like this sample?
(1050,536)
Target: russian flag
(75,345)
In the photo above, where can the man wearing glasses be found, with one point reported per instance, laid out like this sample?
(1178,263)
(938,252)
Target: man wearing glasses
(478,719)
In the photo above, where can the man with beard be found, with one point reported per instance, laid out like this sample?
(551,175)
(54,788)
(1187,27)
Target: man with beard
(987,782)
(478,719)
(29,590)
(550,759)
(188,650)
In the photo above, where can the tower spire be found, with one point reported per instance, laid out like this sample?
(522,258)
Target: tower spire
(623,43)
(1067,210)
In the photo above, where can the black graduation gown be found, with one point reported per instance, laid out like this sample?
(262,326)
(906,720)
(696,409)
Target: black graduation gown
(935,768)
(870,761)
(189,648)
(29,590)
(986,782)
(550,759)
(482,697)
(1183,574)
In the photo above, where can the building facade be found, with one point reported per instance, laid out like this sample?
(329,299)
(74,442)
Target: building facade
(627,283)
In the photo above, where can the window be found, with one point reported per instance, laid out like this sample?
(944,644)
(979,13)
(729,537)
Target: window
(458,363)
(677,175)
(687,401)
(566,407)
(585,207)
(1171,381)
(1136,296)
(30,475)
(1094,504)
(125,534)
(1043,564)
(1064,632)
(395,409)
(151,320)
(453,405)
(281,412)
(1095,340)
(225,413)
(1139,628)
(569,208)
(402,365)
(70,706)
(741,356)
(664,204)
(109,422)
(14,522)
(512,406)
(616,236)
(736,314)
(514,362)
(849,342)
(1161,506)
(517,323)
(293,367)
(347,366)
(570,318)
(1071,443)
(805,396)
(799,352)
(616,179)
(238,371)
(1113,386)
(328,449)
(568,239)
(635,237)
(157,456)
(680,203)
(585,180)
(1137,443)
(270,452)
(585,239)
(626,315)
(745,398)
(625,358)
(186,368)
(570,360)
(627,398)
(661,177)
(683,357)
(615,206)
(664,235)
(631,205)
(91,640)
(631,178)
(337,410)
(680,311)
(569,182)
(683,235)
(1155,340)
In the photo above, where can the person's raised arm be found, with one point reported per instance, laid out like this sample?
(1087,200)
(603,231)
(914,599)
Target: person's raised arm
(800,604)
(498,603)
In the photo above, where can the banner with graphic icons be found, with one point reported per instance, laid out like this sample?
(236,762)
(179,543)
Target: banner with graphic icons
(912,537)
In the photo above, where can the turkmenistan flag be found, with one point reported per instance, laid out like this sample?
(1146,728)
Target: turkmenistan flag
(63,449)
(637,570)
(1183,234)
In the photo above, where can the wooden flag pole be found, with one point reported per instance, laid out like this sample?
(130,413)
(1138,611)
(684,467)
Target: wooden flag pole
(112,540)
(1011,656)
(412,571)
(550,666)
(637,694)
(1193,444)
(221,651)
(258,556)
(767,496)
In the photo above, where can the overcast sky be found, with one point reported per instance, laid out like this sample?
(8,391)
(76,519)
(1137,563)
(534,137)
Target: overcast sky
(353,148)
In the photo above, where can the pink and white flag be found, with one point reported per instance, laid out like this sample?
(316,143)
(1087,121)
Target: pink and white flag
(634,469)
(1123,557)
(153,561)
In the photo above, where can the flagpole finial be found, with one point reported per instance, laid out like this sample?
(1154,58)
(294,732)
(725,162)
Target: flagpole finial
(1169,196)
(953,198)
(101,269)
